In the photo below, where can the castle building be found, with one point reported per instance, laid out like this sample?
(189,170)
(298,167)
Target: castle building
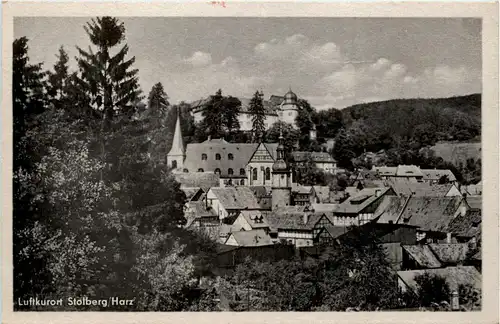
(281,183)
(284,108)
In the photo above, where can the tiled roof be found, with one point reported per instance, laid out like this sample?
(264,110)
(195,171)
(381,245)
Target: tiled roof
(454,276)
(324,208)
(475,202)
(430,174)
(299,156)
(256,237)
(236,197)
(468,225)
(190,192)
(204,180)
(302,190)
(199,210)
(430,213)
(261,191)
(385,171)
(390,208)
(422,189)
(241,156)
(323,193)
(408,171)
(255,218)
(337,231)
(450,252)
(290,219)
(422,255)
(360,201)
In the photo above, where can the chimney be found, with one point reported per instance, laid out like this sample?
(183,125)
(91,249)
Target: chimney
(306,217)
(377,193)
(448,238)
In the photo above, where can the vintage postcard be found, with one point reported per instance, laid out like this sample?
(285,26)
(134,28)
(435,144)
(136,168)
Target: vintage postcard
(304,162)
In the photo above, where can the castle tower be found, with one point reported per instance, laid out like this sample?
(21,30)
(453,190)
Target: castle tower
(289,108)
(177,154)
(281,181)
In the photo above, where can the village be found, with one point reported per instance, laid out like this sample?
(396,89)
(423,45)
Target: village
(246,198)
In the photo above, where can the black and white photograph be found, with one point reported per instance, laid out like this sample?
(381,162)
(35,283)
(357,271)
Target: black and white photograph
(247,164)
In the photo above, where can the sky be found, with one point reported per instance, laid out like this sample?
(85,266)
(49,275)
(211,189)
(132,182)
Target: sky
(331,62)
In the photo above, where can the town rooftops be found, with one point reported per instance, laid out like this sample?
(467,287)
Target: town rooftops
(454,276)
(468,225)
(317,157)
(219,155)
(323,193)
(436,174)
(361,200)
(204,180)
(292,221)
(422,255)
(192,193)
(405,187)
(450,253)
(239,197)
(475,202)
(255,219)
(385,171)
(257,237)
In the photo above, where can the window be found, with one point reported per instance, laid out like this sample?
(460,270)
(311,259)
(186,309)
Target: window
(290,113)
(200,170)
(230,171)
(174,164)
(254,174)
(203,156)
(242,171)
(217,171)
(185,170)
(217,156)
(268,174)
(230,156)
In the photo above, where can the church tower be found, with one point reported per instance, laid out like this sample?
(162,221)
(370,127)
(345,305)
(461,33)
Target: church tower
(177,154)
(281,182)
(289,108)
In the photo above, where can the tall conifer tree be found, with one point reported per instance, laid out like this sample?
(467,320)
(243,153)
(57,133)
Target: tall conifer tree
(258,116)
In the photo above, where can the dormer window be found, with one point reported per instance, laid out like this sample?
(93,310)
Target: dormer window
(230,156)
(203,156)
(217,156)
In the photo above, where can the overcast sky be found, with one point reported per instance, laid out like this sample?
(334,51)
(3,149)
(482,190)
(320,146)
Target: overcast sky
(332,62)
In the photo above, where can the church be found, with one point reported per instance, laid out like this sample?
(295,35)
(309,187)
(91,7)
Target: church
(284,108)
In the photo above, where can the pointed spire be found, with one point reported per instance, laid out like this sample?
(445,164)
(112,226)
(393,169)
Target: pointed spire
(177,143)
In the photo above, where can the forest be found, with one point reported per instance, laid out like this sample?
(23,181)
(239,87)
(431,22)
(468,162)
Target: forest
(97,213)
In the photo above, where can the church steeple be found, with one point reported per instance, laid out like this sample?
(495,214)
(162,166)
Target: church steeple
(175,158)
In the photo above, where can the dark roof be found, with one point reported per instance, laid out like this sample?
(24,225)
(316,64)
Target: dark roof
(390,208)
(289,219)
(241,156)
(361,200)
(190,192)
(239,197)
(454,276)
(468,225)
(199,210)
(256,237)
(430,213)
(204,180)
(419,189)
(422,255)
(324,157)
(450,252)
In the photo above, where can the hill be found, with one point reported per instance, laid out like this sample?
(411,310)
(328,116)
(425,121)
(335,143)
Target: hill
(457,152)
(455,118)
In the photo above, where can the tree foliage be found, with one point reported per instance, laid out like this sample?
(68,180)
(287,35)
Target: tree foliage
(157,101)
(258,116)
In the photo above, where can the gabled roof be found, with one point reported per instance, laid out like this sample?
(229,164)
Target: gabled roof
(336,231)
(191,192)
(436,174)
(294,220)
(324,208)
(255,218)
(390,209)
(302,190)
(256,237)
(384,170)
(323,193)
(422,255)
(422,189)
(468,225)
(450,252)
(236,197)
(199,209)
(454,276)
(323,157)
(475,202)
(361,200)
(408,171)
(430,213)
(204,180)
(241,156)
(261,191)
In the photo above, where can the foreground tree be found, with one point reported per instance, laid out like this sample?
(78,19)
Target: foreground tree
(157,101)
(58,79)
(109,80)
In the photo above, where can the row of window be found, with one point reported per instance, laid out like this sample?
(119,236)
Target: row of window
(229,171)
(230,156)
(267,174)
